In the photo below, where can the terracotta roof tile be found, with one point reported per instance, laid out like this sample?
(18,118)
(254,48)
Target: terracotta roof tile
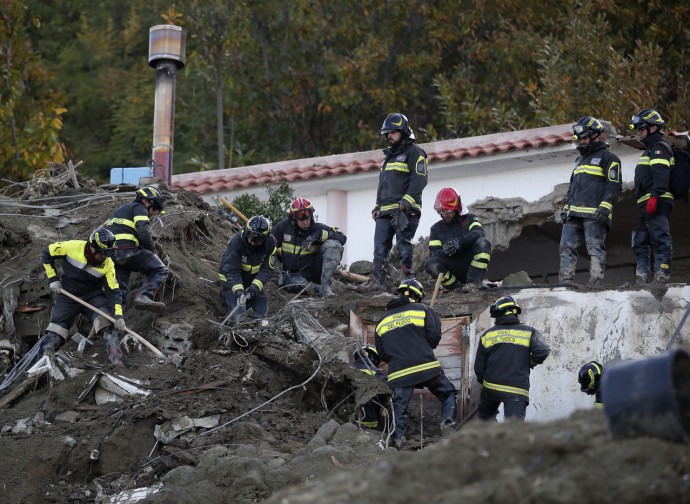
(328,166)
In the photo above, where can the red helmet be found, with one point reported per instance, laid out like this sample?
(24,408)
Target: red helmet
(301,209)
(447,199)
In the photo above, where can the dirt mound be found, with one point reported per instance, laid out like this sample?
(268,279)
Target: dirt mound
(242,413)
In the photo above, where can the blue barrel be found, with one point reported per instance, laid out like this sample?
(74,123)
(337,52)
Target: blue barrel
(649,397)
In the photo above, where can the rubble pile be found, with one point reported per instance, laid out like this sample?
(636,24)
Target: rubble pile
(257,410)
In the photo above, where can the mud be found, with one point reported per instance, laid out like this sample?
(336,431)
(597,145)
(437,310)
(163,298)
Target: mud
(260,412)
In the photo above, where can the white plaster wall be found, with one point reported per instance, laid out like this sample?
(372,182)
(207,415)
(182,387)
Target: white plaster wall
(529,174)
(583,326)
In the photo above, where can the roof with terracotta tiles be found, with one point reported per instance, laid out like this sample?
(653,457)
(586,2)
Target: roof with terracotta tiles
(230,179)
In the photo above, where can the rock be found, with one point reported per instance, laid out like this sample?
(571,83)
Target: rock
(519,279)
(361,267)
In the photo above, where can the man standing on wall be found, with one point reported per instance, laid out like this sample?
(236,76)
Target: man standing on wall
(398,199)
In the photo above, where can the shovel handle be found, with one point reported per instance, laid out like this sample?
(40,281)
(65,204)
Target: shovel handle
(234,210)
(436,288)
(105,315)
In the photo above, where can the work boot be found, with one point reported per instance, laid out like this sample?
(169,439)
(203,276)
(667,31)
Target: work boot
(371,286)
(447,425)
(325,291)
(472,287)
(594,282)
(143,302)
(661,278)
(399,443)
(112,346)
(51,342)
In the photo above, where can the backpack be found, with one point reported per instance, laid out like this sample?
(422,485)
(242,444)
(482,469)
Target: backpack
(679,183)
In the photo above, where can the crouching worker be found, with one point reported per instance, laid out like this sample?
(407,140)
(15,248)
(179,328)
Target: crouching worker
(457,245)
(589,378)
(310,251)
(135,250)
(247,265)
(505,355)
(88,273)
(367,360)
(405,338)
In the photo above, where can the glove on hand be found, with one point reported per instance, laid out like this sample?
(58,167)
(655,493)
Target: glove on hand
(564,216)
(651,205)
(400,221)
(600,216)
(375,213)
(120,324)
(451,247)
(315,237)
(55,287)
(251,294)
(405,205)
(242,299)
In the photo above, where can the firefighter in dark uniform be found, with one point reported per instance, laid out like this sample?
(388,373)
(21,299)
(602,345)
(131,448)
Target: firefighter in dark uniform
(589,378)
(654,199)
(458,247)
(398,199)
(310,251)
(595,185)
(247,265)
(135,250)
(505,355)
(88,272)
(367,361)
(406,337)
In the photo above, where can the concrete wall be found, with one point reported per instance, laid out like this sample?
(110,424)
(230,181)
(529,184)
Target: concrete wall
(582,326)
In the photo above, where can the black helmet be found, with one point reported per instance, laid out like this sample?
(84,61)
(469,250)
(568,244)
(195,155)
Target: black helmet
(503,306)
(256,229)
(370,352)
(586,126)
(153,195)
(646,118)
(589,377)
(396,122)
(411,288)
(103,241)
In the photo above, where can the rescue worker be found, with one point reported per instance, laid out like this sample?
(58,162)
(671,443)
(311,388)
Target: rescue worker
(135,250)
(310,251)
(367,360)
(595,185)
(589,378)
(506,354)
(458,247)
(398,199)
(654,200)
(247,265)
(406,337)
(88,272)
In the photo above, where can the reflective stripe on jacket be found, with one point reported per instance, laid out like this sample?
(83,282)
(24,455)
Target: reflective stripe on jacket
(403,177)
(653,171)
(289,238)
(130,225)
(405,338)
(243,266)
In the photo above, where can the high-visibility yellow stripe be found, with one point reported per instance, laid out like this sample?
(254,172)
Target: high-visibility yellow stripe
(506,388)
(592,170)
(415,317)
(222,277)
(397,167)
(648,195)
(413,369)
(590,210)
(511,336)
(475,224)
(435,243)
(448,279)
(258,283)
(390,207)
(289,248)
(606,204)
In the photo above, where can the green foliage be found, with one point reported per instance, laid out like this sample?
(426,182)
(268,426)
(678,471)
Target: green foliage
(276,207)
(284,79)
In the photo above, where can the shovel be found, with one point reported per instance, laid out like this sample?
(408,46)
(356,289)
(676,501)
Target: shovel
(108,317)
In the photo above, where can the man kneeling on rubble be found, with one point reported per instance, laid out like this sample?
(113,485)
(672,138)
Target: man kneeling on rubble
(405,338)
(247,265)
(88,273)
(310,251)
(457,245)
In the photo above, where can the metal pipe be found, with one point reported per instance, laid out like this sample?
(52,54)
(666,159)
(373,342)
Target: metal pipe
(166,55)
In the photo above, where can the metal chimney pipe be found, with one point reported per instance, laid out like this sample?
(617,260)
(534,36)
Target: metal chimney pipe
(166,55)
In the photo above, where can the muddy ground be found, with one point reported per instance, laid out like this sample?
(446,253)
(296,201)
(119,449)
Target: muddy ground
(259,412)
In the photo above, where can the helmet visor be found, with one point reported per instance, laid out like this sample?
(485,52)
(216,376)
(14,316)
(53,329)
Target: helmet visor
(255,237)
(303,214)
(580,131)
(637,122)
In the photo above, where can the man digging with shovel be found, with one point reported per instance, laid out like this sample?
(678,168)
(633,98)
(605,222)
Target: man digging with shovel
(88,272)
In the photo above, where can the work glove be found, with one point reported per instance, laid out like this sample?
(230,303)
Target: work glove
(242,299)
(406,205)
(454,246)
(375,213)
(120,324)
(600,216)
(651,205)
(251,294)
(564,216)
(55,287)
(315,237)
